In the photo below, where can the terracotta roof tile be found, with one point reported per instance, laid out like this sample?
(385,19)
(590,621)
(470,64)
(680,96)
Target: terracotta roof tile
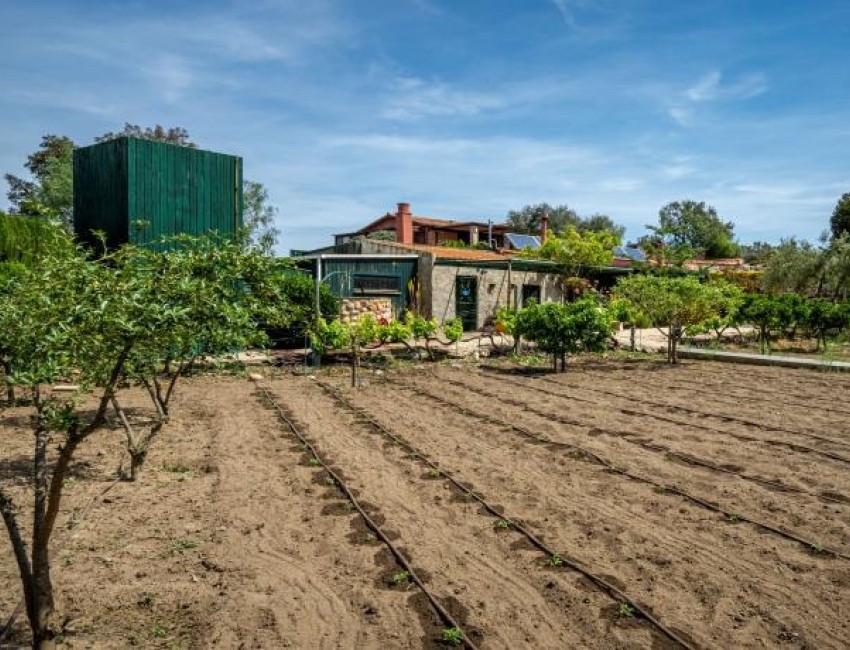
(444,252)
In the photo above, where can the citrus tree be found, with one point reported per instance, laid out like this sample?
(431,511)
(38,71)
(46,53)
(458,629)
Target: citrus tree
(673,303)
(560,329)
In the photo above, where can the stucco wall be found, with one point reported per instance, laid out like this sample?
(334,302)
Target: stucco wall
(492,289)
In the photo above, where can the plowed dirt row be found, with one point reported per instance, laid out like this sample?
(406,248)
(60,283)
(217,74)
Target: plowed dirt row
(690,415)
(232,539)
(826,522)
(224,542)
(513,599)
(750,398)
(806,395)
(821,429)
(724,584)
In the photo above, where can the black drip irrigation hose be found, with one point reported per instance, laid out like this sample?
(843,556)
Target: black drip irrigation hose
(746,393)
(441,611)
(610,467)
(737,436)
(636,439)
(685,409)
(616,594)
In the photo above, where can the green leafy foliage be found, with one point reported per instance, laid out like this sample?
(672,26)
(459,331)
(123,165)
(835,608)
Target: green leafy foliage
(696,226)
(790,313)
(528,220)
(675,303)
(453,636)
(576,250)
(420,327)
(135,315)
(561,329)
(839,222)
(298,294)
(453,329)
(49,194)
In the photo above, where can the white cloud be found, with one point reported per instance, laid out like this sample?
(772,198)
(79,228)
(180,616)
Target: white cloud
(711,89)
(705,89)
(413,98)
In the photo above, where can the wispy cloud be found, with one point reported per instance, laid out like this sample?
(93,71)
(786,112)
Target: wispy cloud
(711,88)
(566,12)
(411,98)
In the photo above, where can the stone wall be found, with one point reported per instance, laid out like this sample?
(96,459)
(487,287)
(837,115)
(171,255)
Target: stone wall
(493,289)
(354,308)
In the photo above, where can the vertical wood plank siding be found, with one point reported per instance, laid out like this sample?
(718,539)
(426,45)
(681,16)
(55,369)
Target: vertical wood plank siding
(175,189)
(339,271)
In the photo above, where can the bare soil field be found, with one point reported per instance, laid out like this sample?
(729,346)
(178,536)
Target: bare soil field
(623,504)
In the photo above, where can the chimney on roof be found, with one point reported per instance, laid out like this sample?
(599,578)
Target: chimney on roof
(544,227)
(404,224)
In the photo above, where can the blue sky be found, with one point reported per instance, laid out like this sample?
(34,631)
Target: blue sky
(464,108)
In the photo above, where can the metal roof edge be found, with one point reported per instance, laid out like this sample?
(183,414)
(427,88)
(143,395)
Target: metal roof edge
(356,256)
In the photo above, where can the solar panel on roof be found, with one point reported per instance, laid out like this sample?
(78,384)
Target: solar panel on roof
(628,252)
(522,241)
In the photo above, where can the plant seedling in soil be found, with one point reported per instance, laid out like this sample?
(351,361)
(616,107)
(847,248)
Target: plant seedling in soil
(434,472)
(330,481)
(817,548)
(315,461)
(183,545)
(453,636)
(159,631)
(400,577)
(504,524)
(732,517)
(555,560)
(660,489)
(626,610)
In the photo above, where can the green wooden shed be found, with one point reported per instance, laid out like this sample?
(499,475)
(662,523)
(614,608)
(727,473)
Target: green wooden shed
(365,276)
(139,190)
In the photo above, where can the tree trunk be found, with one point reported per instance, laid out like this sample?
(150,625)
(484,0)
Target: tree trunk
(670,344)
(41,609)
(763,338)
(355,363)
(10,389)
(137,460)
(632,331)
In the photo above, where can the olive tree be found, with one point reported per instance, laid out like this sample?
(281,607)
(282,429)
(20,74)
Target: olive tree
(673,303)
